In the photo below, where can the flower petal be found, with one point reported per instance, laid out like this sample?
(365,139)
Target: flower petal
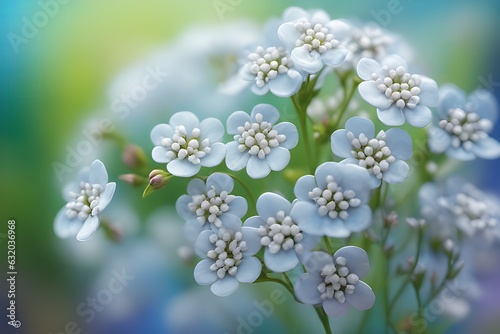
(88,229)
(252,238)
(203,275)
(181,206)
(65,227)
(258,168)
(429,95)
(236,119)
(287,84)
(83,175)
(278,159)
(460,154)
(248,270)
(98,173)
(269,112)
(451,97)
(400,143)
(295,13)
(484,104)
(290,131)
(202,243)
(359,125)
(334,57)
(357,260)
(305,214)
(230,221)
(371,94)
(196,187)
(310,62)
(288,34)
(212,129)
(419,116)
(160,132)
(224,287)
(159,154)
(340,29)
(359,218)
(439,140)
(393,61)
(335,228)
(106,196)
(186,119)
(362,298)
(340,144)
(315,262)
(487,148)
(333,308)
(260,90)
(320,16)
(281,261)
(366,67)
(254,221)
(183,168)
(236,160)
(306,289)
(215,157)
(268,205)
(397,172)
(303,186)
(392,116)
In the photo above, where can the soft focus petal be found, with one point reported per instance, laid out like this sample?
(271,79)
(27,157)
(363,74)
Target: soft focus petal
(429,95)
(451,97)
(203,275)
(334,57)
(460,154)
(362,298)
(393,61)
(248,270)
(335,309)
(65,227)
(320,16)
(259,90)
(278,159)
(196,187)
(367,66)
(359,125)
(238,206)
(258,168)
(160,132)
(181,206)
(98,173)
(487,148)
(439,140)
(484,104)
(186,119)
(252,237)
(295,13)
(306,289)
(106,196)
(270,113)
(182,168)
(268,204)
(215,157)
(202,244)
(288,34)
(236,119)
(315,262)
(400,144)
(236,160)
(212,129)
(359,218)
(159,154)
(89,227)
(393,116)
(419,116)
(305,214)
(341,145)
(290,131)
(281,261)
(397,172)
(303,186)
(335,228)
(83,175)
(340,29)
(308,61)
(230,221)
(371,94)
(254,221)
(285,85)
(224,287)
(357,259)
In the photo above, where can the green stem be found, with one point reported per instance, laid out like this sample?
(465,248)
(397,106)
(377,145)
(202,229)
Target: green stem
(301,113)
(244,186)
(324,318)
(328,246)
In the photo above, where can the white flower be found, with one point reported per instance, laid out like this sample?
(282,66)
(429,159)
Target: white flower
(86,200)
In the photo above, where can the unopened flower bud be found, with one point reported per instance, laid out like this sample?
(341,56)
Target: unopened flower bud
(157,179)
(134,157)
(132,179)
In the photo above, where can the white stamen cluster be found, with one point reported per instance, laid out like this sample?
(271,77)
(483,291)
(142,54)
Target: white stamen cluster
(338,282)
(315,37)
(369,42)
(281,232)
(465,128)
(84,203)
(333,200)
(399,86)
(475,211)
(187,147)
(258,138)
(227,254)
(209,206)
(373,154)
(268,63)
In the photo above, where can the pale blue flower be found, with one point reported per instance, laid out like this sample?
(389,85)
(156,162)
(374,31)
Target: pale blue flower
(313,39)
(228,258)
(274,229)
(86,198)
(398,94)
(334,201)
(382,155)
(208,205)
(463,123)
(186,144)
(259,143)
(334,281)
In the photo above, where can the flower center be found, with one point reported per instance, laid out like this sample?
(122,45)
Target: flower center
(465,127)
(268,63)
(475,211)
(281,232)
(85,203)
(258,138)
(401,87)
(227,253)
(369,42)
(337,281)
(210,206)
(183,147)
(315,37)
(333,201)
(373,154)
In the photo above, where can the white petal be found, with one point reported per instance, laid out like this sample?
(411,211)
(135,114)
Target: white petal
(278,159)
(160,132)
(310,62)
(182,168)
(98,173)
(370,93)
(392,116)
(215,157)
(106,196)
(236,119)
(236,160)
(367,66)
(257,168)
(212,129)
(419,116)
(89,227)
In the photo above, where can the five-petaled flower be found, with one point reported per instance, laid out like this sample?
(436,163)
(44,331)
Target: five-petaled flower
(274,229)
(259,143)
(185,144)
(463,124)
(313,39)
(227,258)
(334,201)
(381,155)
(208,205)
(398,94)
(334,281)
(86,198)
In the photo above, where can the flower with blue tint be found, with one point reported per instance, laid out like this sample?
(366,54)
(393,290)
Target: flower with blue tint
(272,69)
(208,205)
(313,39)
(228,258)
(334,281)
(185,144)
(86,198)
(381,155)
(283,240)
(259,143)
(399,95)
(462,127)
(334,201)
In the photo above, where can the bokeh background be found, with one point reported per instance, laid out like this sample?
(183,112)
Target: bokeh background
(63,79)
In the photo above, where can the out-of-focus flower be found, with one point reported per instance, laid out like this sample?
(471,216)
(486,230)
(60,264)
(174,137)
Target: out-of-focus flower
(283,239)
(208,205)
(334,281)
(185,144)
(313,39)
(259,143)
(227,259)
(86,200)
(381,155)
(334,201)
(463,124)
(397,94)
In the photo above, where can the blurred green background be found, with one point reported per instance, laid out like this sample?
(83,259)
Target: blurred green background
(61,76)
